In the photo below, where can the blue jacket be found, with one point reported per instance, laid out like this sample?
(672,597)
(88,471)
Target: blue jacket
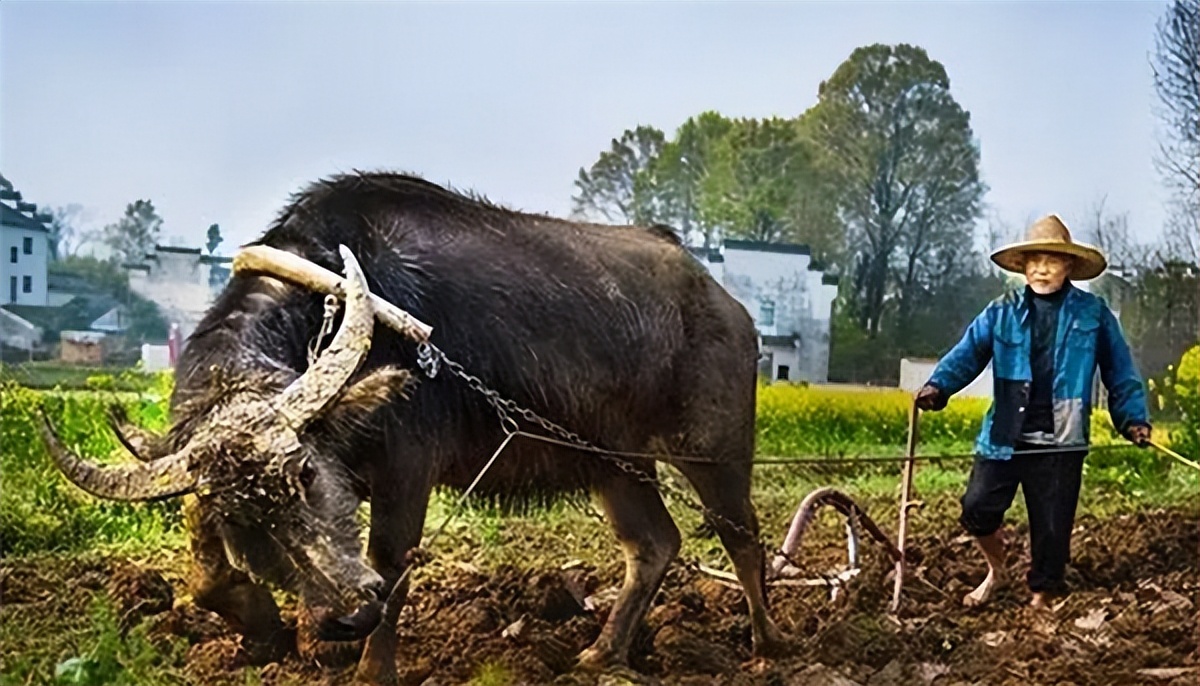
(1088,337)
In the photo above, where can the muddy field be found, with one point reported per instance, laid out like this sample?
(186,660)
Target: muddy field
(1132,619)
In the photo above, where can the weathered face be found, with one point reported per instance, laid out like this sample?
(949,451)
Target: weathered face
(1046,272)
(265,467)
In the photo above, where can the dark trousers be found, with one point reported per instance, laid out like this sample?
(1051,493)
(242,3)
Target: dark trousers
(1050,483)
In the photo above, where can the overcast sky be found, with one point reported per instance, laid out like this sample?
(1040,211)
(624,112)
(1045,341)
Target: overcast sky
(217,111)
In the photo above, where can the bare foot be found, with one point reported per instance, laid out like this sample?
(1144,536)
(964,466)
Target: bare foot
(984,591)
(1040,601)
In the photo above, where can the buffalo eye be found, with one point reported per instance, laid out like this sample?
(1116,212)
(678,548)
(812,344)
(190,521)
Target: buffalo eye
(308,474)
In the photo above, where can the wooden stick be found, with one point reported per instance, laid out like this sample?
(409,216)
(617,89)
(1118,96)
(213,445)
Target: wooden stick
(291,267)
(1172,454)
(905,493)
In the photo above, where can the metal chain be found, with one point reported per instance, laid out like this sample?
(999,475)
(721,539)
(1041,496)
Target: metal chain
(331,310)
(506,407)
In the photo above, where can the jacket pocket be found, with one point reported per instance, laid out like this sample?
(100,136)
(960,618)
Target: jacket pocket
(1083,332)
(1011,399)
(1006,353)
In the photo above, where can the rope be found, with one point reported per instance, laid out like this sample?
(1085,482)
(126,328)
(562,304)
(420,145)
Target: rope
(775,461)
(417,560)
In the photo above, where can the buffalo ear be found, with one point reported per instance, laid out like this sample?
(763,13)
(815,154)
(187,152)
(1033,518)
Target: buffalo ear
(362,398)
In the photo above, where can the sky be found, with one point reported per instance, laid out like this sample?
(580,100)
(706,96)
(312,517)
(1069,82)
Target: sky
(218,111)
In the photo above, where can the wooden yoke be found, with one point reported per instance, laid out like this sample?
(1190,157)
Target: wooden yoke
(291,267)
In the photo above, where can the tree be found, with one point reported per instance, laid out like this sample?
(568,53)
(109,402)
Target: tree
(214,238)
(609,188)
(762,185)
(65,236)
(1176,63)
(1110,233)
(901,157)
(136,233)
(677,177)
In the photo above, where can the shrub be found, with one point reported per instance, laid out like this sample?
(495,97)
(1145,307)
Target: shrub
(1187,396)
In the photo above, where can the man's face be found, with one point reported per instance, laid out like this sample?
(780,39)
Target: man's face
(1046,272)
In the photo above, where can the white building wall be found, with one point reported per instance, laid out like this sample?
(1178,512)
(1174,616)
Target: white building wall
(178,283)
(914,374)
(802,305)
(31,266)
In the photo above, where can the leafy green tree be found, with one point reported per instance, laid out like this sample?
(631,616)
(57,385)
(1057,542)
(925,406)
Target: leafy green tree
(676,178)
(609,189)
(763,185)
(136,233)
(899,152)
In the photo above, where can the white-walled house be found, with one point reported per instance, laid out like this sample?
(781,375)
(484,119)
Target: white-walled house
(790,298)
(182,282)
(24,252)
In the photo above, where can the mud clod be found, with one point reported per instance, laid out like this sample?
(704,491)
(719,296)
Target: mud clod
(139,592)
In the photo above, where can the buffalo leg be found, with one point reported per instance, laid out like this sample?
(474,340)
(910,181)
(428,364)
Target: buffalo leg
(650,540)
(397,519)
(216,586)
(724,490)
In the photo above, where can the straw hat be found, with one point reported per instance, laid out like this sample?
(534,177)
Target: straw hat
(1050,234)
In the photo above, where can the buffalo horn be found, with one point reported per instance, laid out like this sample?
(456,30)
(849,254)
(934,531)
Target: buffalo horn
(162,478)
(308,395)
(140,443)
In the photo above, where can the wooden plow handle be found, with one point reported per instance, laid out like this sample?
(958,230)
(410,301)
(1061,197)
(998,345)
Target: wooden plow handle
(914,414)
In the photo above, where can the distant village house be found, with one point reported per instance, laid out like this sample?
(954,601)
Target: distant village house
(790,298)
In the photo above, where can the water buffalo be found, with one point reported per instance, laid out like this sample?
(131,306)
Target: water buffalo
(613,332)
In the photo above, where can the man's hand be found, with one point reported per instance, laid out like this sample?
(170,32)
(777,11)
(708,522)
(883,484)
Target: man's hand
(930,399)
(1139,434)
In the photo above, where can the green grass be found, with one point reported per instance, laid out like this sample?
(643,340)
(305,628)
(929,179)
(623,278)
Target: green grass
(492,674)
(92,653)
(40,511)
(53,374)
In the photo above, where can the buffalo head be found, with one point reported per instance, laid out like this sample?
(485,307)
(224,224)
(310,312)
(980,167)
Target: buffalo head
(284,506)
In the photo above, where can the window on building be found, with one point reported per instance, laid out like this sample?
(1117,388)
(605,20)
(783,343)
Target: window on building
(766,313)
(12,254)
(28,245)
(782,373)
(12,288)
(27,284)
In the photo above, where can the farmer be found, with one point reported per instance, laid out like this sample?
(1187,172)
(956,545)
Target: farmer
(1045,342)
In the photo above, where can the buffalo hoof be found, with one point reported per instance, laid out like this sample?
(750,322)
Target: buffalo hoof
(596,659)
(264,651)
(377,668)
(613,672)
(314,648)
(775,644)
